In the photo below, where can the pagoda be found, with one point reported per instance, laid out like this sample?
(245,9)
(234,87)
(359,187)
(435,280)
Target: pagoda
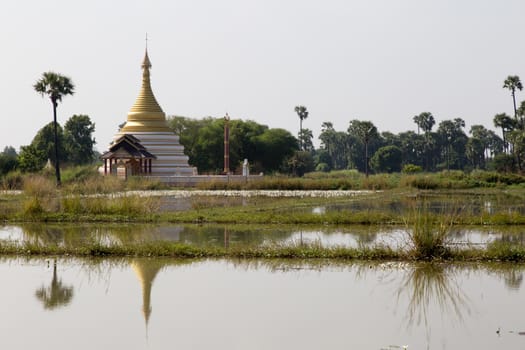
(146,123)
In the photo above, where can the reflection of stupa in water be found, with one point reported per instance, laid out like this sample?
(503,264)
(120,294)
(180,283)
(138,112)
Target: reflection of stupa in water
(146,145)
(146,271)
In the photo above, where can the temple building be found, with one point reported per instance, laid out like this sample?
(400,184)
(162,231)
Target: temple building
(145,145)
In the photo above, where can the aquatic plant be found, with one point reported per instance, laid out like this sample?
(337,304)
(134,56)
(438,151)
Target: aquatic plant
(429,234)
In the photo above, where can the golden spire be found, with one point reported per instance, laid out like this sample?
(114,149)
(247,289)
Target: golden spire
(146,101)
(146,114)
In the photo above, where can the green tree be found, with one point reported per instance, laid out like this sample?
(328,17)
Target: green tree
(302,113)
(275,146)
(188,131)
(479,142)
(369,141)
(337,146)
(78,138)
(31,159)
(203,140)
(387,159)
(208,153)
(424,121)
(521,116)
(300,163)
(504,163)
(453,142)
(243,136)
(412,148)
(305,138)
(8,160)
(327,137)
(44,140)
(517,139)
(495,144)
(9,151)
(55,86)
(506,124)
(475,151)
(513,83)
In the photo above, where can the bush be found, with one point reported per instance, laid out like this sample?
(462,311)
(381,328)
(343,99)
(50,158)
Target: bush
(428,236)
(12,181)
(79,173)
(412,169)
(422,182)
(322,167)
(39,186)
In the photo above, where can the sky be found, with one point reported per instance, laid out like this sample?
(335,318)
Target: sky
(378,60)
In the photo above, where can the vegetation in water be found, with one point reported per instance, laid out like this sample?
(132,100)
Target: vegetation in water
(270,251)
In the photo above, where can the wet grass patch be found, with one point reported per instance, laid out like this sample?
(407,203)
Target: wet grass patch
(495,253)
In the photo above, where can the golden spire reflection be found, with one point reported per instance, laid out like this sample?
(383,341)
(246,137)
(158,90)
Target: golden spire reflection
(146,271)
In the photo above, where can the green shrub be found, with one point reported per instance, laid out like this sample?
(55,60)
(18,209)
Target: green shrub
(79,173)
(422,182)
(322,167)
(33,207)
(411,169)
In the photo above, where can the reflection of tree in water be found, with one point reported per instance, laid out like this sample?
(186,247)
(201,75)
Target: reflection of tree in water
(513,279)
(57,234)
(56,294)
(512,274)
(429,284)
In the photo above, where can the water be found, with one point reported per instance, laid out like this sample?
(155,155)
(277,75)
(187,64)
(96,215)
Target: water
(252,235)
(219,304)
(318,202)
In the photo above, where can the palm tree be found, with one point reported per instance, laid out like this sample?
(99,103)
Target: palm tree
(504,122)
(512,83)
(418,120)
(55,86)
(303,114)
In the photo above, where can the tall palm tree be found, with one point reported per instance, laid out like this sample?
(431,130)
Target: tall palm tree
(503,121)
(55,86)
(418,120)
(512,83)
(303,114)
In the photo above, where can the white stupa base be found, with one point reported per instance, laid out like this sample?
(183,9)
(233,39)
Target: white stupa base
(171,160)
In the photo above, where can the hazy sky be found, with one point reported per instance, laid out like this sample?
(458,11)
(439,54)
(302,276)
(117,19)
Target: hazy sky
(378,60)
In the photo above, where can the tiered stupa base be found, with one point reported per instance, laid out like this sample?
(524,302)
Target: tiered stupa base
(171,160)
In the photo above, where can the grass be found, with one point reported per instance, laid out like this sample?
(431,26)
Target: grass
(87,180)
(43,203)
(428,234)
(495,253)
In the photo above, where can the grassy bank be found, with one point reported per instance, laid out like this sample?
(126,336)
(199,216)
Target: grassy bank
(495,252)
(87,180)
(390,207)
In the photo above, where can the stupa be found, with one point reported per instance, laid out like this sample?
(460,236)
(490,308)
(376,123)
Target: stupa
(146,122)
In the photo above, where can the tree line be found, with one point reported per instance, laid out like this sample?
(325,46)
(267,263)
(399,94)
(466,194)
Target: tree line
(446,147)
(361,146)
(267,149)
(75,147)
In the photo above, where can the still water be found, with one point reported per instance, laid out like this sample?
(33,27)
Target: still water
(245,235)
(224,304)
